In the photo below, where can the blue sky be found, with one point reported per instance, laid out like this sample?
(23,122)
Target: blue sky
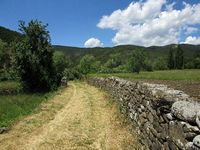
(73,22)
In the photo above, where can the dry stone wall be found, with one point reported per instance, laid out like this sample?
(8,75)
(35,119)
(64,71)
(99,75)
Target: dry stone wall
(166,119)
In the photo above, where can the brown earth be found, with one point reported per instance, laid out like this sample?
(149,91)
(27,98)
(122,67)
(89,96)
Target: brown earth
(81,117)
(191,88)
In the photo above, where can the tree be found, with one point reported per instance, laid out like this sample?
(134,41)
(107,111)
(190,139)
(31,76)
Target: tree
(61,62)
(34,58)
(114,61)
(160,64)
(196,60)
(147,66)
(136,61)
(87,64)
(171,59)
(179,58)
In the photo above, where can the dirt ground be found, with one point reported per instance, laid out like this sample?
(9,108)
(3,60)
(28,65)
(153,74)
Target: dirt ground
(80,117)
(191,88)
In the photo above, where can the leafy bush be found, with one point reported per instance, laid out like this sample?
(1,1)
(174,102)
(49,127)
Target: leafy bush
(160,64)
(60,63)
(88,64)
(114,61)
(148,65)
(72,74)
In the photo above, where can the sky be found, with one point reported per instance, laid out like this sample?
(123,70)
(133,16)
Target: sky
(106,23)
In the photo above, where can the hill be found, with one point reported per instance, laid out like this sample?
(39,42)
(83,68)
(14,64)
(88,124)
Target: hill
(102,54)
(7,35)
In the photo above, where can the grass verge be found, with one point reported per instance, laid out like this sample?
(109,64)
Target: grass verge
(16,105)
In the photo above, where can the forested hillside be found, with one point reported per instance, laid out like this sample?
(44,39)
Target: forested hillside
(8,36)
(102,54)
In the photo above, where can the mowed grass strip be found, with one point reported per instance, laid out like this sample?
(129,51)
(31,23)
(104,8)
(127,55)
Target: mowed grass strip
(185,75)
(14,106)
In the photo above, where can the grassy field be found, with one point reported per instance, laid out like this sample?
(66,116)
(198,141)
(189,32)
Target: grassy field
(15,105)
(185,75)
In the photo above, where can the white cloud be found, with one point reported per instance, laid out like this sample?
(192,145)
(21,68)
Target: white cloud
(93,42)
(151,22)
(192,40)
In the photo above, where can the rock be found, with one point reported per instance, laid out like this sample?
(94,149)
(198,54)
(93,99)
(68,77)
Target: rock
(180,144)
(196,141)
(189,128)
(3,130)
(190,136)
(191,146)
(198,119)
(171,145)
(165,146)
(169,116)
(142,107)
(150,117)
(185,110)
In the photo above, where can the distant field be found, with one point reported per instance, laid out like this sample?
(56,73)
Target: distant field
(186,75)
(17,104)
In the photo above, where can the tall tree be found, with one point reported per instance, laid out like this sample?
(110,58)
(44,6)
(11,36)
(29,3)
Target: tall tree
(171,59)
(34,58)
(179,58)
(136,61)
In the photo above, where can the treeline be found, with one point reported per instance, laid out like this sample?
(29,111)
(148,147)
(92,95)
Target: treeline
(139,60)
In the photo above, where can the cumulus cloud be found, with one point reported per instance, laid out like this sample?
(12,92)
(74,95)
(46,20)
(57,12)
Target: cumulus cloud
(151,22)
(192,40)
(93,42)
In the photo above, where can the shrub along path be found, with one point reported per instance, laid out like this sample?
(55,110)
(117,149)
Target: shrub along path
(80,117)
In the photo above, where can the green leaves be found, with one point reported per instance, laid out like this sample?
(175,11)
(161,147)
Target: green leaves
(34,58)
(88,64)
(136,61)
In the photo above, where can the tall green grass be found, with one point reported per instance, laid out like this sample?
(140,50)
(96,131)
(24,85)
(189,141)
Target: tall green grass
(9,87)
(185,75)
(15,105)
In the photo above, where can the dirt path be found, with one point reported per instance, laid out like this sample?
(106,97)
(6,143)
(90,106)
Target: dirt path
(80,118)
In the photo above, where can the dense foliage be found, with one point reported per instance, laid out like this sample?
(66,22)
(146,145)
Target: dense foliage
(136,61)
(153,53)
(34,58)
(176,58)
(61,62)
(88,64)
(179,58)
